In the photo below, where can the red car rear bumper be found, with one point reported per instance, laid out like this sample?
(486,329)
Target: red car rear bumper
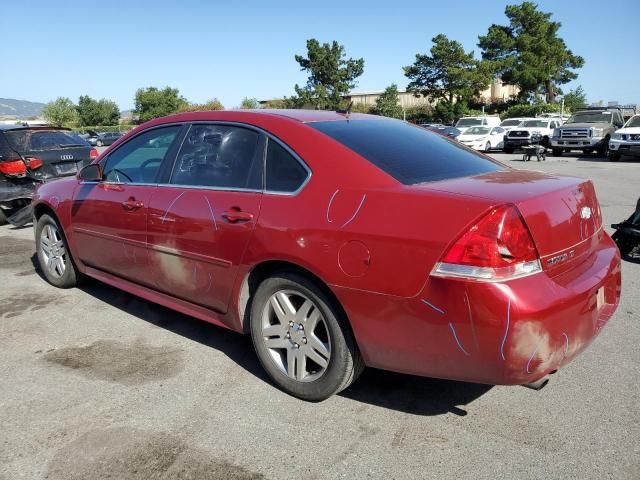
(496,333)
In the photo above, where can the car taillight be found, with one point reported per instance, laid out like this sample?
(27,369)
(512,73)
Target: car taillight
(498,247)
(93,154)
(34,163)
(13,168)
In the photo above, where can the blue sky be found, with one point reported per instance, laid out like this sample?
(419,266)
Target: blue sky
(230,50)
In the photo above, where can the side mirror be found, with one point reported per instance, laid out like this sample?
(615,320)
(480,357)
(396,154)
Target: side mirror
(91,173)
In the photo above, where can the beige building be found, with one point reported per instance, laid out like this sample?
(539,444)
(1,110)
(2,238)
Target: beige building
(497,92)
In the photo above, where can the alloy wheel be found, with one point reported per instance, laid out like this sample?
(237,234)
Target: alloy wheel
(296,335)
(53,250)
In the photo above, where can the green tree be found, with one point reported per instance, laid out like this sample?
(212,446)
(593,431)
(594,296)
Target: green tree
(331,75)
(249,103)
(575,99)
(529,53)
(387,104)
(97,112)
(448,75)
(152,102)
(277,103)
(214,104)
(61,112)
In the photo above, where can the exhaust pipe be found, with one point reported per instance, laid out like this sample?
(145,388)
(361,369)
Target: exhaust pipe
(538,384)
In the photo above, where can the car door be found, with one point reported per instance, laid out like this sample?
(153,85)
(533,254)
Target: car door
(200,221)
(109,218)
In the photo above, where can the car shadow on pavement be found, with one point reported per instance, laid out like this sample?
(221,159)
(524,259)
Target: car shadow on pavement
(395,391)
(414,395)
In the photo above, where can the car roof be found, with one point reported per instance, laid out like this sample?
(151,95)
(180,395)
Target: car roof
(303,116)
(5,127)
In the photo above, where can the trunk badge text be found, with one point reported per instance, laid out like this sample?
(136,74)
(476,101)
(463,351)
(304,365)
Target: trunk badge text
(561,258)
(66,157)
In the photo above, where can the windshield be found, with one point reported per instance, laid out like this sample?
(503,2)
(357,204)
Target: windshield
(28,140)
(477,131)
(535,123)
(633,121)
(510,123)
(409,154)
(591,117)
(469,122)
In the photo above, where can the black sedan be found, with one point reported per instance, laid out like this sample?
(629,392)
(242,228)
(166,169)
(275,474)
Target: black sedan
(104,138)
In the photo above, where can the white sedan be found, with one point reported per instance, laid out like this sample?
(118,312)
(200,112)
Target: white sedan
(483,138)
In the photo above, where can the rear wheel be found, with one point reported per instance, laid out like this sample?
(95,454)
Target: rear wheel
(3,217)
(302,338)
(487,147)
(557,152)
(53,254)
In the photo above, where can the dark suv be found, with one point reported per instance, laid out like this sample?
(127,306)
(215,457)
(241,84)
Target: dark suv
(32,155)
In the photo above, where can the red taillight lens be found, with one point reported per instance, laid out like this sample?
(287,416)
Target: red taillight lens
(13,168)
(34,163)
(93,154)
(498,247)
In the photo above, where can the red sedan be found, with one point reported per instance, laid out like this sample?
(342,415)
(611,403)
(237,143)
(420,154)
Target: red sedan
(339,241)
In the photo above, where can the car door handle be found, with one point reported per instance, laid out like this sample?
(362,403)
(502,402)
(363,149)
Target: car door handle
(236,215)
(132,204)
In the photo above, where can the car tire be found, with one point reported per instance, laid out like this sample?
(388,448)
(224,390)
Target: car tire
(508,150)
(54,256)
(313,362)
(556,152)
(99,143)
(487,147)
(614,156)
(3,218)
(603,150)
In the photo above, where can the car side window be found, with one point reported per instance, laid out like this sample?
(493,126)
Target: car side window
(219,156)
(284,173)
(139,159)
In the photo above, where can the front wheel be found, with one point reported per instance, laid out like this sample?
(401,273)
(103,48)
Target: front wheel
(487,147)
(603,150)
(302,338)
(614,156)
(99,143)
(557,152)
(53,254)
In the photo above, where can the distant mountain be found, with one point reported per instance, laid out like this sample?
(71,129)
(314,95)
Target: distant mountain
(19,108)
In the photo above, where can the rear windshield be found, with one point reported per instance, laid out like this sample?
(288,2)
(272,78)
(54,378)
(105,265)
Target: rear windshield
(30,140)
(408,153)
(469,122)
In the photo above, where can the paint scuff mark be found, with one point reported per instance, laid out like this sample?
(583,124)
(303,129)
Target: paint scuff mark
(166,212)
(455,337)
(433,306)
(506,330)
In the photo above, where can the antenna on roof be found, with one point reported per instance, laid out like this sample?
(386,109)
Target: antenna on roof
(346,111)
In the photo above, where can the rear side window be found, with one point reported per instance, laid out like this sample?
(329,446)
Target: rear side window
(40,140)
(284,172)
(409,154)
(219,156)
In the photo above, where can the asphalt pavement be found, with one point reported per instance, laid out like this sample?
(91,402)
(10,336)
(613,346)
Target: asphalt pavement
(96,383)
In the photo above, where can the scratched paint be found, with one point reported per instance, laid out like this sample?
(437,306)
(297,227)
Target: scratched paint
(455,337)
(355,214)
(433,306)
(331,203)
(352,217)
(506,330)
(166,212)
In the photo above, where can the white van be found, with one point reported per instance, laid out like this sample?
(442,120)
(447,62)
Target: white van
(485,121)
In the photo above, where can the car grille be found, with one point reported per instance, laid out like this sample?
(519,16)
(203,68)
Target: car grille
(634,136)
(518,133)
(574,133)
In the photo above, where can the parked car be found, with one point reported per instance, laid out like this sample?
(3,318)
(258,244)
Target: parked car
(626,141)
(538,130)
(451,132)
(32,155)
(338,241)
(627,233)
(511,123)
(482,138)
(588,130)
(104,138)
(485,121)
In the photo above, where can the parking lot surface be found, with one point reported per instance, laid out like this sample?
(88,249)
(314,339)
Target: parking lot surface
(96,383)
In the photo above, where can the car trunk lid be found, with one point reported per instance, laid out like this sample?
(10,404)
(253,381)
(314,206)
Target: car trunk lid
(562,213)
